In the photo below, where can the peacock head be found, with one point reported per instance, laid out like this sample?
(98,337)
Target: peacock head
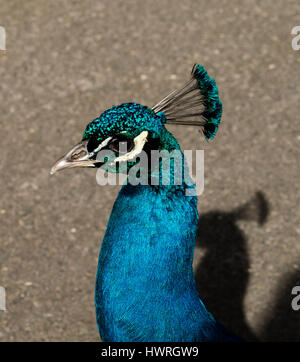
(123,132)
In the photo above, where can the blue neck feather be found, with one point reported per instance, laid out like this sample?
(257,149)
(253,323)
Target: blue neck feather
(145,287)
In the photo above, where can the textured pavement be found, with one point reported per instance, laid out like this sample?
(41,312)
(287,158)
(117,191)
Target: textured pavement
(68,61)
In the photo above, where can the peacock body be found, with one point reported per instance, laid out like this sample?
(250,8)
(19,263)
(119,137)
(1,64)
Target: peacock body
(145,286)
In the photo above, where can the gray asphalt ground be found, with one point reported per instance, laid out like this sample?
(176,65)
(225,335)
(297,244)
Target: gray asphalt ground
(68,61)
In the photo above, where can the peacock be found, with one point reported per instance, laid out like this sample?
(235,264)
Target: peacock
(145,288)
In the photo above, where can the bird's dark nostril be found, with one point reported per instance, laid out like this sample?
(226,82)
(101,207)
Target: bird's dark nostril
(77,155)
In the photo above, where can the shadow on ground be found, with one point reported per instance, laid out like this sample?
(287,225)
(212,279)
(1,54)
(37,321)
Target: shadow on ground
(283,323)
(223,274)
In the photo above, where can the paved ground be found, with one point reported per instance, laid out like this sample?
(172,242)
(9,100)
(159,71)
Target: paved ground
(68,61)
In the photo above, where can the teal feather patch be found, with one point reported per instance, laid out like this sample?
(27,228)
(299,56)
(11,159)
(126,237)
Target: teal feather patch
(212,103)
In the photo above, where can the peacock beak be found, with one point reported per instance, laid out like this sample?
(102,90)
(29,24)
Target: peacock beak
(78,156)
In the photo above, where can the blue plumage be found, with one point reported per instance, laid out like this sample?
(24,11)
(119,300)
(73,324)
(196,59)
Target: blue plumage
(145,287)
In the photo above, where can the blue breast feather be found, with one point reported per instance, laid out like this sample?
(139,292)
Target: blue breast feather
(145,287)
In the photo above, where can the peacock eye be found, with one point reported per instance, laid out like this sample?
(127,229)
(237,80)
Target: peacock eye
(92,144)
(121,145)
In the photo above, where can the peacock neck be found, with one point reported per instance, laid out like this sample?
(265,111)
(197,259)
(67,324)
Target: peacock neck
(150,237)
(145,283)
(147,251)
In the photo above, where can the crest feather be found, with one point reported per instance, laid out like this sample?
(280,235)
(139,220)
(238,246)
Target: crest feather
(196,104)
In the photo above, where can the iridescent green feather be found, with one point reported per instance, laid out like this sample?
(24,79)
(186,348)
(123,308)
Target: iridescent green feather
(212,103)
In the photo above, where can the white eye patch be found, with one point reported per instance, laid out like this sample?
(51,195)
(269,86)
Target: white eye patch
(102,144)
(139,143)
